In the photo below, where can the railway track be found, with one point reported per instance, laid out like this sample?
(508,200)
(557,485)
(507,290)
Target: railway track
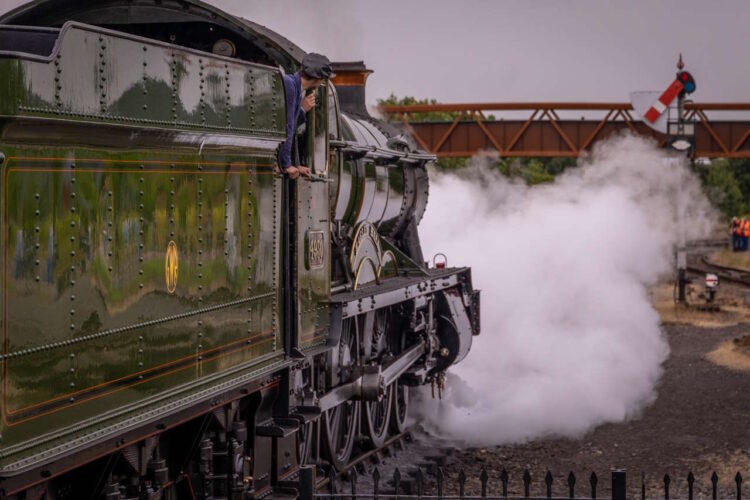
(411,452)
(707,244)
(700,264)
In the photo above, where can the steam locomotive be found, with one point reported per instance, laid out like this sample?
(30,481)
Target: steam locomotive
(180,320)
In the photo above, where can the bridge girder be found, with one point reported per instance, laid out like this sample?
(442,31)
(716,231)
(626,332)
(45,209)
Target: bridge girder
(544,133)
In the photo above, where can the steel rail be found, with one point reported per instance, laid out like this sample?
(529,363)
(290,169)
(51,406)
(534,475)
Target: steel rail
(725,273)
(362,457)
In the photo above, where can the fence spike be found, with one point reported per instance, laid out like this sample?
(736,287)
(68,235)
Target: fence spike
(526,483)
(738,480)
(483,479)
(461,482)
(619,484)
(572,485)
(714,484)
(375,483)
(690,480)
(643,485)
(548,481)
(440,482)
(667,480)
(332,482)
(420,482)
(353,482)
(593,480)
(504,481)
(396,481)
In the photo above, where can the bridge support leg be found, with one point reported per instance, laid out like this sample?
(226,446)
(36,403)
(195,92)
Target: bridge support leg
(681,276)
(681,282)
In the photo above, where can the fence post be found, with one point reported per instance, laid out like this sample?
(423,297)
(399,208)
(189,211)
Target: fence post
(526,483)
(738,480)
(306,482)
(353,482)
(504,480)
(440,483)
(375,483)
(571,485)
(396,481)
(548,481)
(332,482)
(594,481)
(619,485)
(461,483)
(483,479)
(420,482)
(714,484)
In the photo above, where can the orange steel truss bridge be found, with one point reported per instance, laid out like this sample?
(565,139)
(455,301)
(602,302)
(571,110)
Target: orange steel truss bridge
(537,129)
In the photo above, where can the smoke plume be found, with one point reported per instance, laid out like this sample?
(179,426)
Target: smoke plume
(569,337)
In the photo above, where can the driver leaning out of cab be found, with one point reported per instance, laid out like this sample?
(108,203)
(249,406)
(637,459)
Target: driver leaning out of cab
(300,97)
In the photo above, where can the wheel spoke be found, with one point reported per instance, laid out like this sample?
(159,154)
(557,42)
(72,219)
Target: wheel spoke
(375,419)
(400,410)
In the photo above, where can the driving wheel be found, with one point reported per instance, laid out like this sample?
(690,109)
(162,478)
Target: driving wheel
(339,424)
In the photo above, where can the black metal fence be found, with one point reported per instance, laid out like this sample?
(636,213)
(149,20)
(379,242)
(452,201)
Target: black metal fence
(416,489)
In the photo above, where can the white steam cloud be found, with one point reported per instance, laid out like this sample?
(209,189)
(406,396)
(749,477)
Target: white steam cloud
(569,337)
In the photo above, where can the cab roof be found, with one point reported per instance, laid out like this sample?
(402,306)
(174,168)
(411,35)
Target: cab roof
(190,23)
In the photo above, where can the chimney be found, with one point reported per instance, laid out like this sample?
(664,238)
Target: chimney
(350,85)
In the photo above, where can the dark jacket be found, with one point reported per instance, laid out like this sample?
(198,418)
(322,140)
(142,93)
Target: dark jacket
(293,90)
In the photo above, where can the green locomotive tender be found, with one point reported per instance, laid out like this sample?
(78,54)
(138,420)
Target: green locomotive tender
(179,320)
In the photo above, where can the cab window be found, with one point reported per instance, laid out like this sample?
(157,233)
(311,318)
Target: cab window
(333,114)
(320,131)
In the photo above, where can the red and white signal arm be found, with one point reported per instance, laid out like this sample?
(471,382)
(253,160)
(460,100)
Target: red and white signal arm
(652,105)
(662,103)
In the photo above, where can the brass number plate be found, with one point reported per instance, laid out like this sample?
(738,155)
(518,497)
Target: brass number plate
(315,249)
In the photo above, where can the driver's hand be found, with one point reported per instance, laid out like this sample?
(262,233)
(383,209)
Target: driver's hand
(304,171)
(308,102)
(292,172)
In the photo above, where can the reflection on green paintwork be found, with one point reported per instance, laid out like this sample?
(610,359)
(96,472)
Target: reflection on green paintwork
(86,263)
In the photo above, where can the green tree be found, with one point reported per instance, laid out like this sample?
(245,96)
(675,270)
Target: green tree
(741,171)
(722,187)
(437,116)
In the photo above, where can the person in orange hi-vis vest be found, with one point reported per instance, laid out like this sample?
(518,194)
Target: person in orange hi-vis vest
(735,232)
(745,233)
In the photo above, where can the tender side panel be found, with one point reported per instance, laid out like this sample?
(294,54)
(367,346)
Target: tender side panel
(129,275)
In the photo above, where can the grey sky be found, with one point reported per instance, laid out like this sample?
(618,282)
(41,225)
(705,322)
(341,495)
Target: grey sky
(482,50)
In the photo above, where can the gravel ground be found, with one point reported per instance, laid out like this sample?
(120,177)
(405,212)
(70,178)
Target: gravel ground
(698,423)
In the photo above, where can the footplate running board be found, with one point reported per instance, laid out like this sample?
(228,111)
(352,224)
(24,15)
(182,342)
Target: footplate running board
(395,290)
